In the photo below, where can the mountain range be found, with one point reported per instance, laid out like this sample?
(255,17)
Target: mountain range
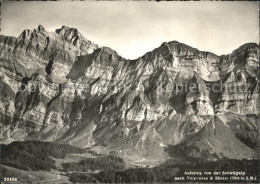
(61,87)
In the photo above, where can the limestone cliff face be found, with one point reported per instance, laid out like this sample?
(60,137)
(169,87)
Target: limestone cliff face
(62,87)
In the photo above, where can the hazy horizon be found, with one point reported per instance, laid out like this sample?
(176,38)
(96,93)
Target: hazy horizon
(134,28)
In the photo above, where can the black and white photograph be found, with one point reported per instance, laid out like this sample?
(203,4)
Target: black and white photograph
(129,92)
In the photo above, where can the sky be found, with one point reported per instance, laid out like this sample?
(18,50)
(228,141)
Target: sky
(133,28)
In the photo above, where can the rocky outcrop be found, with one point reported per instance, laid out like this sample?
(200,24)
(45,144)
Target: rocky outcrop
(62,87)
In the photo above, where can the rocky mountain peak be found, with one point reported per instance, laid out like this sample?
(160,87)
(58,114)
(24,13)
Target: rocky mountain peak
(71,35)
(41,28)
(182,50)
(64,30)
(29,34)
(26,34)
(245,48)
